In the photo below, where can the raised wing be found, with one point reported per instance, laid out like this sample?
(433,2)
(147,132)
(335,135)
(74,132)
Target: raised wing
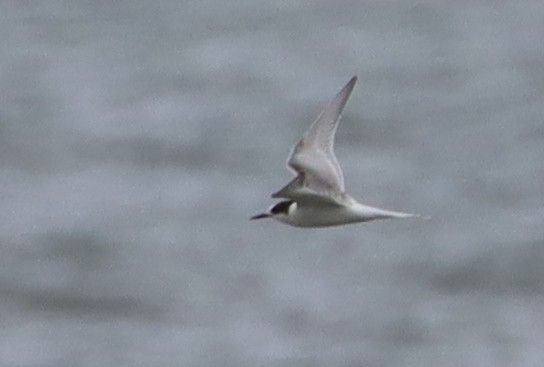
(313,158)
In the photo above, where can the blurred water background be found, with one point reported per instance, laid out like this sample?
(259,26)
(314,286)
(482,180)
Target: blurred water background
(137,138)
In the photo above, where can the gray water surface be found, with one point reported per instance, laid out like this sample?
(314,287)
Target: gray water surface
(138,137)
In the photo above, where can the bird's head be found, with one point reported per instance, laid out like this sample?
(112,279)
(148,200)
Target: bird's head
(279,211)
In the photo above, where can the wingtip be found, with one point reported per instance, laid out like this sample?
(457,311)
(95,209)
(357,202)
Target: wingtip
(348,88)
(352,81)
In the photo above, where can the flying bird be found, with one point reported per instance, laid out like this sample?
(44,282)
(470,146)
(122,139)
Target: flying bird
(316,197)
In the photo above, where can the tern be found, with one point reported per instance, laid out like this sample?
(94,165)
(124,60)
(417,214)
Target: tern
(316,197)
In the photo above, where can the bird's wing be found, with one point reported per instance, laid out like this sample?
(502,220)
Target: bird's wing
(303,194)
(313,158)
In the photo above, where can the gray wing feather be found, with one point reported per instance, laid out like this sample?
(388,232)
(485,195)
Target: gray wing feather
(313,158)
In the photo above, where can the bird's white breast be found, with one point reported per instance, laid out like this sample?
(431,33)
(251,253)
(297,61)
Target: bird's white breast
(321,216)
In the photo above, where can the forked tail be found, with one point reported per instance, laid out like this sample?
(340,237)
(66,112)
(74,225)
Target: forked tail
(377,213)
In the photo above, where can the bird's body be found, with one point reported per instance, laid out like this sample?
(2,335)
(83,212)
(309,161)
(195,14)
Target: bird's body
(310,214)
(316,196)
